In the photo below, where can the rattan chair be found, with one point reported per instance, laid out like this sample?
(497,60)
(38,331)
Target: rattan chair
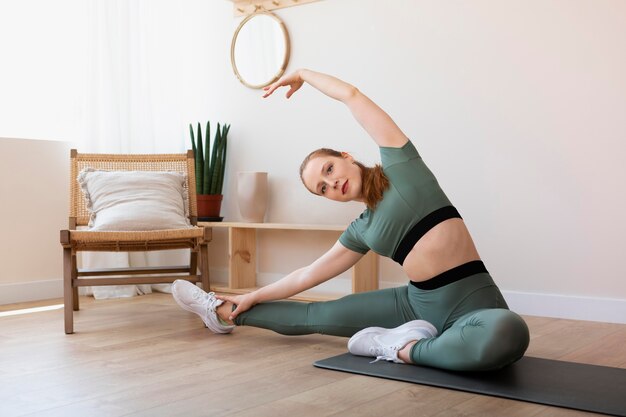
(74,241)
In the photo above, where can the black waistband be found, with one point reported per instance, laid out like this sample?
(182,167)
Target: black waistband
(451,275)
(421,228)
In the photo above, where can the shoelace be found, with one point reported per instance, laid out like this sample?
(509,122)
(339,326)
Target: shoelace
(209,298)
(387,353)
(211,308)
(212,301)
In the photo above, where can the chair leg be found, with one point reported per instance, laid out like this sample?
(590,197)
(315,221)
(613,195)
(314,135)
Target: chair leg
(74,289)
(193,264)
(68,292)
(75,299)
(204,266)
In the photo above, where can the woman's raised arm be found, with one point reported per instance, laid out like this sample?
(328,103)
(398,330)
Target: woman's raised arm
(376,122)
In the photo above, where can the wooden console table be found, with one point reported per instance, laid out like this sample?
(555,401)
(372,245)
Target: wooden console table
(242,251)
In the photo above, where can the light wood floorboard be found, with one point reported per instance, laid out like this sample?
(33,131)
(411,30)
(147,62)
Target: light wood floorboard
(144,356)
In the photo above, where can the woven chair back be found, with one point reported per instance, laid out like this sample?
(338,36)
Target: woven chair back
(79,215)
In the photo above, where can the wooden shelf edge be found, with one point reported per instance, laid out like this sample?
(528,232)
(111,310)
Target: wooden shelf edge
(275,226)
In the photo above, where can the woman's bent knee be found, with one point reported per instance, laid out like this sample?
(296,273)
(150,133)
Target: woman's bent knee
(506,338)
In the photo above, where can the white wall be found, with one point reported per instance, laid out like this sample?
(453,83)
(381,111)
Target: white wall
(34,190)
(516,106)
(42,48)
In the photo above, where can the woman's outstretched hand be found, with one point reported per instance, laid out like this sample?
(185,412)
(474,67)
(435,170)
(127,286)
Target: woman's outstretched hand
(293,80)
(243,302)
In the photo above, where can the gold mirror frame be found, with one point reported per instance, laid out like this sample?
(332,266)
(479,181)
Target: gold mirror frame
(283,66)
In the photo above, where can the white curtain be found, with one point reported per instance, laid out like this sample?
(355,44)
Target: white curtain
(133,103)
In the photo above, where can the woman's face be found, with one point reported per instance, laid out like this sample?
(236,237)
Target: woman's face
(336,178)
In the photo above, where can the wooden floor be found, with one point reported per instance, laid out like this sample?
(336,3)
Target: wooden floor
(146,357)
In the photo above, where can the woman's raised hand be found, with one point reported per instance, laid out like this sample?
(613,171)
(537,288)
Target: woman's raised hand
(293,80)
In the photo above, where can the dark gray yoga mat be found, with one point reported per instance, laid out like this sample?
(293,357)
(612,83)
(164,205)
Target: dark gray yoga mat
(599,389)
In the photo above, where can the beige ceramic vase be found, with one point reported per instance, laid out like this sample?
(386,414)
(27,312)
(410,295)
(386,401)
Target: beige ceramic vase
(252,195)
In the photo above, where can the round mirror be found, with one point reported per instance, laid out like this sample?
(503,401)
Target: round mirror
(259,51)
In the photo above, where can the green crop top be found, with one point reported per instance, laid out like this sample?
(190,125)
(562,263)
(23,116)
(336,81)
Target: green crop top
(411,206)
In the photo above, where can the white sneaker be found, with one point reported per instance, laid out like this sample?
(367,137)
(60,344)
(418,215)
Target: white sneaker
(192,298)
(384,344)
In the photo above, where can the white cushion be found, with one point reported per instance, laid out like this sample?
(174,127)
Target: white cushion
(135,200)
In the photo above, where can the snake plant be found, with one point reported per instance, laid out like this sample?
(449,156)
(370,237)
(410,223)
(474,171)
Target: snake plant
(210,161)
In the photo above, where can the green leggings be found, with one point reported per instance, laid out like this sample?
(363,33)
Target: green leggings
(476,329)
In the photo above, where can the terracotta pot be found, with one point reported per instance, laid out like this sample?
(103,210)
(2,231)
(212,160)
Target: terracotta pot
(209,205)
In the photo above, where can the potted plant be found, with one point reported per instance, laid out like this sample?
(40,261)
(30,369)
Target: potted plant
(210,165)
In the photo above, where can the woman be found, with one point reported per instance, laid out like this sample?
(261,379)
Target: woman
(450,316)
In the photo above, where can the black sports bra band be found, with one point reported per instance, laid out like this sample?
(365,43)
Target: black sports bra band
(421,228)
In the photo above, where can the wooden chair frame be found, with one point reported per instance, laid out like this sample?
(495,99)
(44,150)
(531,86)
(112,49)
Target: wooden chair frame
(73,241)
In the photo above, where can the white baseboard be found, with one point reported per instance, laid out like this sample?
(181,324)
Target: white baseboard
(30,291)
(610,310)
